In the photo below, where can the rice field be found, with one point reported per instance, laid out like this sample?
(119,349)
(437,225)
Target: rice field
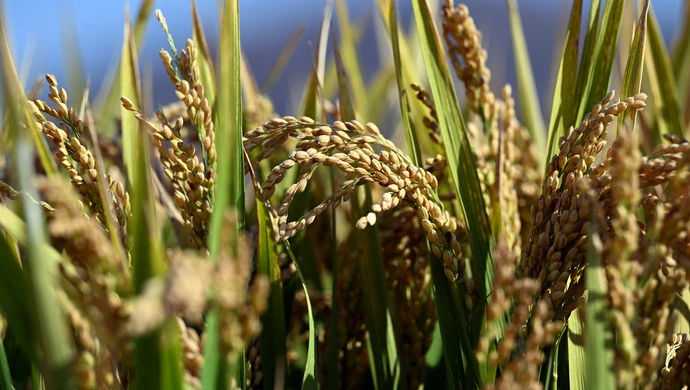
(214,243)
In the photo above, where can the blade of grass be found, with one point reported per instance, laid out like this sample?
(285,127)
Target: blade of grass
(5,376)
(599,76)
(350,59)
(110,217)
(530,110)
(460,163)
(10,81)
(681,59)
(14,297)
(599,372)
(155,353)
(204,59)
(283,58)
(632,79)
(454,333)
(377,312)
(73,61)
(229,188)
(131,88)
(412,141)
(47,321)
(586,59)
(408,62)
(576,352)
(273,335)
(663,85)
(309,379)
(564,103)
(109,104)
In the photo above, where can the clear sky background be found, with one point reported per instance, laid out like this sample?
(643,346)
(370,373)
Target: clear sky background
(37,31)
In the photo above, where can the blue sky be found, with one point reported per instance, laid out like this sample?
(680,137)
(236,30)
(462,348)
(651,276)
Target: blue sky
(37,31)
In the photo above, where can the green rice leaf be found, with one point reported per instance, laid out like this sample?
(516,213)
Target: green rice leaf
(663,85)
(564,103)
(283,58)
(454,333)
(632,79)
(11,83)
(109,104)
(273,335)
(599,371)
(530,111)
(460,161)
(576,352)
(681,303)
(599,76)
(5,376)
(587,58)
(309,380)
(155,353)
(350,60)
(46,319)
(14,296)
(379,319)
(229,188)
(383,353)
(130,86)
(412,141)
(204,59)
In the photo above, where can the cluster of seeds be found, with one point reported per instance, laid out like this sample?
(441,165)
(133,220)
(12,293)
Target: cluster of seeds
(92,280)
(406,258)
(73,155)
(364,156)
(468,57)
(555,252)
(191,175)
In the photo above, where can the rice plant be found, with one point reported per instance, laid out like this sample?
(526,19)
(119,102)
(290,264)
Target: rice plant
(214,243)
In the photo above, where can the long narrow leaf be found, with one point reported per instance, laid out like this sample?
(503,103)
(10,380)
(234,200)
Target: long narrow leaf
(663,84)
(10,83)
(14,296)
(600,68)
(586,66)
(273,361)
(681,58)
(412,141)
(598,356)
(576,352)
(47,321)
(350,59)
(564,103)
(460,159)
(229,188)
(109,106)
(632,79)
(156,353)
(204,59)
(5,376)
(377,313)
(527,89)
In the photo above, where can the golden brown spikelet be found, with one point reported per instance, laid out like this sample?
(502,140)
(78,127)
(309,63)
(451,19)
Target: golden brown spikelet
(406,260)
(73,155)
(468,57)
(349,147)
(95,272)
(555,252)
